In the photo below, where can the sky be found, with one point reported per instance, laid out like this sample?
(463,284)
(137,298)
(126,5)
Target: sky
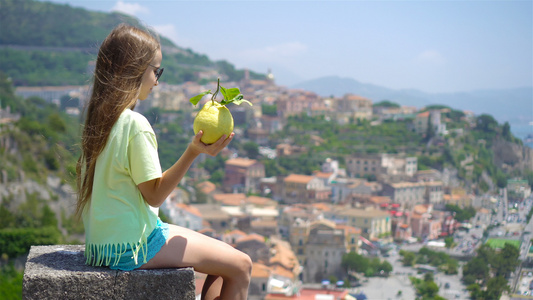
(431,46)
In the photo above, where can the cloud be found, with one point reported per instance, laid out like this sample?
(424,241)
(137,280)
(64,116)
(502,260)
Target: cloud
(129,8)
(169,31)
(431,57)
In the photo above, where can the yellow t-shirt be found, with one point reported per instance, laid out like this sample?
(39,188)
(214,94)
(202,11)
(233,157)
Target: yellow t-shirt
(117,215)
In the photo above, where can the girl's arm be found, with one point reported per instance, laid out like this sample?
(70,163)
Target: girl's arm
(157,190)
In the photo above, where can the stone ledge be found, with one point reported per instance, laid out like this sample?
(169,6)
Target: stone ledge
(59,272)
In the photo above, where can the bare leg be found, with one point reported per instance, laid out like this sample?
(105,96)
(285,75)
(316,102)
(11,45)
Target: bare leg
(188,248)
(212,288)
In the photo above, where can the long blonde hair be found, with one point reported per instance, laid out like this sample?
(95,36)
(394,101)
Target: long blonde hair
(123,58)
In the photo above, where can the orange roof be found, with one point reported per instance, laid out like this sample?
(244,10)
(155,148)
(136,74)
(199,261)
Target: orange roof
(484,211)
(207,187)
(420,209)
(230,198)
(349,229)
(448,197)
(250,237)
(260,271)
(191,209)
(260,200)
(423,114)
(380,199)
(322,206)
(241,162)
(284,256)
(322,174)
(298,178)
(237,232)
(281,271)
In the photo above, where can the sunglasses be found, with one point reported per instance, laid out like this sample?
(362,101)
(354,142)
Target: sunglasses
(158,72)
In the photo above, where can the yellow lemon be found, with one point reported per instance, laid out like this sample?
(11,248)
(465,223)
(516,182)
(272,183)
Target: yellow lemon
(215,120)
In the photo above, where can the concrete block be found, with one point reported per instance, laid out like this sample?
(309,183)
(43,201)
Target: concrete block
(59,272)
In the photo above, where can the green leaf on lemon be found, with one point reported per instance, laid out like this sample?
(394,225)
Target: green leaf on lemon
(231,95)
(194,100)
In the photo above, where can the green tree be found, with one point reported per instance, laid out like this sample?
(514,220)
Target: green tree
(386,267)
(269,110)
(506,261)
(409,258)
(452,266)
(354,262)
(501,180)
(448,242)
(495,287)
(506,132)
(477,268)
(386,103)
(57,123)
(251,149)
(475,291)
(486,123)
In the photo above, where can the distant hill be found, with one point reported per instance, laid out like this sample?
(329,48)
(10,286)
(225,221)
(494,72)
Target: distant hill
(505,105)
(44,43)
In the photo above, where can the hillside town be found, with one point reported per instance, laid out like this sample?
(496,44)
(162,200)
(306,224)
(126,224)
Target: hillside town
(297,228)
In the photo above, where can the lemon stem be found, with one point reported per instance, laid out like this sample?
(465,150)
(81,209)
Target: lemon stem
(216,92)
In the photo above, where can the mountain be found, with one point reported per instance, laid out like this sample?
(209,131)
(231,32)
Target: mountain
(44,43)
(505,105)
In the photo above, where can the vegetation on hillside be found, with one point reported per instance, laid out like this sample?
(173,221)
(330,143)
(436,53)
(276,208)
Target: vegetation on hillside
(10,283)
(470,152)
(41,143)
(41,44)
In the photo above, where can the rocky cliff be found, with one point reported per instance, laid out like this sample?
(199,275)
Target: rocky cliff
(511,156)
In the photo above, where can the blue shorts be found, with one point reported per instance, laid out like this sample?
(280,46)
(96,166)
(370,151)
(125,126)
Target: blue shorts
(156,240)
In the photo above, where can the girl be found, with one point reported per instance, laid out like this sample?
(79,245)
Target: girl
(120,178)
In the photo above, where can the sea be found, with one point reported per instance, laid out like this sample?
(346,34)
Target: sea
(523,131)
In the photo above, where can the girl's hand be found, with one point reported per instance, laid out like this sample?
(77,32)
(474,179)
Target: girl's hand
(212,149)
